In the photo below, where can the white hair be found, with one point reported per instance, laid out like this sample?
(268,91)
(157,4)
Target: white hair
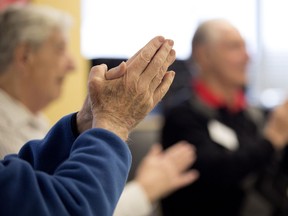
(31,24)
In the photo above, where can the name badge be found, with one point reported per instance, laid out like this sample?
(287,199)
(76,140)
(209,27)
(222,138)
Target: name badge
(223,135)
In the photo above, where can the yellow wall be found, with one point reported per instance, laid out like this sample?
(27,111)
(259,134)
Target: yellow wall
(74,89)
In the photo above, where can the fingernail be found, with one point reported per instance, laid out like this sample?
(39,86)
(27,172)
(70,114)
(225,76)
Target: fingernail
(161,38)
(173,74)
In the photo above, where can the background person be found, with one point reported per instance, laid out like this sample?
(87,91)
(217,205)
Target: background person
(34,62)
(232,145)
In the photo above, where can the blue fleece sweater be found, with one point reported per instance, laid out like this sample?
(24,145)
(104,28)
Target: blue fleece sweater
(65,174)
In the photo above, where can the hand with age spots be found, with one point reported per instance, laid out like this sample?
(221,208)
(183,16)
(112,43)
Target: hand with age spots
(121,97)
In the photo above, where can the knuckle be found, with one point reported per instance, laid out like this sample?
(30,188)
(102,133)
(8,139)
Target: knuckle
(163,70)
(158,79)
(145,55)
(158,62)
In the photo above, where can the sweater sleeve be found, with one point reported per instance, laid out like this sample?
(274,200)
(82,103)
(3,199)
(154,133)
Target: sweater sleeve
(84,177)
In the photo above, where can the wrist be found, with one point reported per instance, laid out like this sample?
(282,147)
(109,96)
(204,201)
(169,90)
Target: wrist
(111,125)
(84,121)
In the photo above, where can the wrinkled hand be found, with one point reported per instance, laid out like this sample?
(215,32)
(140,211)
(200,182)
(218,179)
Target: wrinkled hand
(120,104)
(162,172)
(276,129)
(84,116)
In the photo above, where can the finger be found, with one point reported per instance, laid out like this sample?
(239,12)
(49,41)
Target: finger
(158,78)
(130,60)
(155,149)
(116,72)
(182,152)
(164,86)
(140,61)
(98,71)
(178,148)
(155,67)
(186,178)
(184,160)
(96,75)
(182,155)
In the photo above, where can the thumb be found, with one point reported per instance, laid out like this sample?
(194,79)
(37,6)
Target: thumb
(98,71)
(95,80)
(116,72)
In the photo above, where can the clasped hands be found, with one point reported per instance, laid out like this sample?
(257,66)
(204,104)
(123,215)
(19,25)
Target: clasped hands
(119,98)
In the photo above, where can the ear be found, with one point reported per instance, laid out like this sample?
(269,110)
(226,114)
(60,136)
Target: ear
(201,54)
(23,55)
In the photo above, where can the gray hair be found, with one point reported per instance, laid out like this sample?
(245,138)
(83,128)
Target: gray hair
(29,24)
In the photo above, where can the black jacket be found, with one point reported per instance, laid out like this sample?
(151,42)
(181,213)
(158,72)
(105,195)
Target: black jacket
(219,190)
